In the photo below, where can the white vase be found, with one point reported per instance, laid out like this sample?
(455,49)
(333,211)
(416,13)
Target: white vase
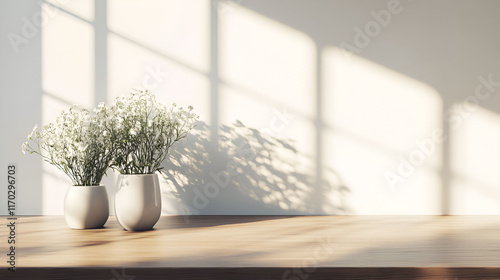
(86,207)
(138,201)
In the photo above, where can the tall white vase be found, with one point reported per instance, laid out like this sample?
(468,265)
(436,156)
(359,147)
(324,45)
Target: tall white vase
(86,207)
(138,201)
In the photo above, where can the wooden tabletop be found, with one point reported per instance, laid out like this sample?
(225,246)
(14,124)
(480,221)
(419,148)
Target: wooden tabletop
(262,241)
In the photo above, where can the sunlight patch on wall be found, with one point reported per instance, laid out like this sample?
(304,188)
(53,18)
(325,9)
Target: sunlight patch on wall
(178,29)
(68,60)
(475,149)
(369,100)
(267,72)
(267,58)
(374,118)
(130,65)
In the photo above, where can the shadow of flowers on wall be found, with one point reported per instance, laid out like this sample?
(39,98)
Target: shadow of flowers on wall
(246,173)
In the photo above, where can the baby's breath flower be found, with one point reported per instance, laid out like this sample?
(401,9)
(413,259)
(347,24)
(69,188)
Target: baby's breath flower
(144,130)
(72,144)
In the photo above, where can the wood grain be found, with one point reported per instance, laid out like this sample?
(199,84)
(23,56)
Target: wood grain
(422,246)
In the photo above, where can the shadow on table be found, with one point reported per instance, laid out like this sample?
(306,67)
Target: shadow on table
(198,221)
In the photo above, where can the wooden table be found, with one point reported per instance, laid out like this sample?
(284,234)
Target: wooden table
(259,247)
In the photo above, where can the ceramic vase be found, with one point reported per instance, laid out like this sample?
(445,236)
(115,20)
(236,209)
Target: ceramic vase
(138,201)
(86,207)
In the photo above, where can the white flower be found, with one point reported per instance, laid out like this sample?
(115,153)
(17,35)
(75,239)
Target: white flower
(75,145)
(140,115)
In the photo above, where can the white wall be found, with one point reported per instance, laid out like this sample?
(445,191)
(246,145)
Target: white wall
(20,104)
(321,130)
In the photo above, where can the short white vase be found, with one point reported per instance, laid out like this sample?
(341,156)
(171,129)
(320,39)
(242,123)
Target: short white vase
(86,207)
(138,201)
